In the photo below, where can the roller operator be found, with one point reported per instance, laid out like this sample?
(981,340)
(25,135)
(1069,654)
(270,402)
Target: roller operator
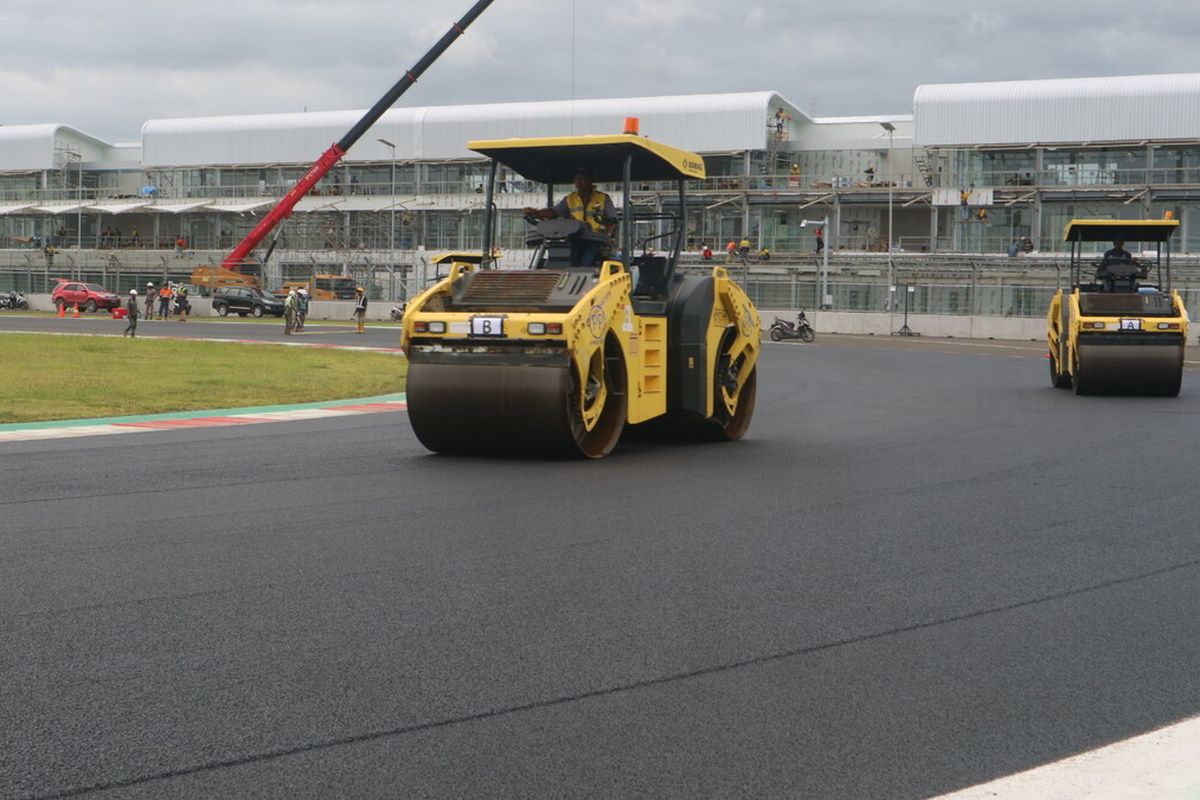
(1118,254)
(1119,270)
(590,206)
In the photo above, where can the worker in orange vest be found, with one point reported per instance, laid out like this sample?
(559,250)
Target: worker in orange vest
(164,301)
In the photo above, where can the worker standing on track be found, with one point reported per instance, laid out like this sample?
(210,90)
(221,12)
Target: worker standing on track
(182,306)
(132,307)
(164,301)
(301,308)
(289,313)
(360,309)
(150,295)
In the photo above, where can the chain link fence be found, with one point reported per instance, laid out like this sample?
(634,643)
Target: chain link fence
(951,285)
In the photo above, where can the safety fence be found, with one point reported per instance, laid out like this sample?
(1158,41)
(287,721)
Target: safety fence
(385,280)
(950,285)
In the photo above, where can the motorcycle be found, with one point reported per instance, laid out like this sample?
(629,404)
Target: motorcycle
(800,329)
(13,301)
(398,312)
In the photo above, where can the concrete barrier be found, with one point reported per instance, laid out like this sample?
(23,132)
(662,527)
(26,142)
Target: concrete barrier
(877,323)
(332,310)
(853,322)
(343,310)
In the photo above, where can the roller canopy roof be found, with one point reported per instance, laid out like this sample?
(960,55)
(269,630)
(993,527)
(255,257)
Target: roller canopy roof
(556,160)
(1125,230)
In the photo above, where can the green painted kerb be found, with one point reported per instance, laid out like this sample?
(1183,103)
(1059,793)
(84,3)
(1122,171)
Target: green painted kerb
(216,412)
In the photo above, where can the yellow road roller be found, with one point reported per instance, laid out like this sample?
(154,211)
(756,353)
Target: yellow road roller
(1121,330)
(599,331)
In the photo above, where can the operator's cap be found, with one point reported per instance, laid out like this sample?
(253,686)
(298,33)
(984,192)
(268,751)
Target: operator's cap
(133,292)
(358,289)
(582,171)
(149,284)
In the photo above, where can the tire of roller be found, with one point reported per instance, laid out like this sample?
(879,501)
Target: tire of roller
(496,410)
(1128,369)
(731,427)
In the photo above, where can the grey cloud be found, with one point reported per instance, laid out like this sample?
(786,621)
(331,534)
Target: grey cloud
(109,67)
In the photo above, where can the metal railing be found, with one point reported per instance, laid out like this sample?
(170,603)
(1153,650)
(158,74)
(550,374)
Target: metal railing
(1071,175)
(943,284)
(907,182)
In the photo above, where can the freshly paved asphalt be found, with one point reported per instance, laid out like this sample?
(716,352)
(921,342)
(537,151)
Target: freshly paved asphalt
(922,570)
(379,334)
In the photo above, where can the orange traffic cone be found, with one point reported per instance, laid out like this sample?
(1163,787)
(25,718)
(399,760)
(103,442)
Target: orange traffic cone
(75,311)
(62,310)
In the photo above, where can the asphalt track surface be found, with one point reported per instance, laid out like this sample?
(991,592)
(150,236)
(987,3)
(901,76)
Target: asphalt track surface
(379,334)
(924,569)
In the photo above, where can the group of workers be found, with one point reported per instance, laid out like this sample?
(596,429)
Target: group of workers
(166,296)
(295,307)
(295,310)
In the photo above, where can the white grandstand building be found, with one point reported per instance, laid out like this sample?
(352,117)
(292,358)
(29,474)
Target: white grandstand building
(1030,154)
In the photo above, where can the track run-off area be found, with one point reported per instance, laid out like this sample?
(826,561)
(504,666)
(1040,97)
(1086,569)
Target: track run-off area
(923,570)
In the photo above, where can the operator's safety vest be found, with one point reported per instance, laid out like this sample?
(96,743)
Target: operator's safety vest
(592,213)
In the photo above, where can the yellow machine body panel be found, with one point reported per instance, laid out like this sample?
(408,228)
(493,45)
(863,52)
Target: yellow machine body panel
(606,310)
(1133,352)
(322,286)
(559,358)
(550,159)
(1114,331)
(602,333)
(212,278)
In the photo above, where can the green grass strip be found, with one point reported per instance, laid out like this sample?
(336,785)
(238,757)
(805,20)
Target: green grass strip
(97,379)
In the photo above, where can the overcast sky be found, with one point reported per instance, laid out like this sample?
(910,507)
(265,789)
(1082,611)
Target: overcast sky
(109,66)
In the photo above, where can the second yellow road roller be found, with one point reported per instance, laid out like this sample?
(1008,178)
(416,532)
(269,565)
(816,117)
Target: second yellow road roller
(1122,329)
(598,332)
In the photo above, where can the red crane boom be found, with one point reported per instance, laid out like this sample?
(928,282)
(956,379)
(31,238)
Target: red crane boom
(283,209)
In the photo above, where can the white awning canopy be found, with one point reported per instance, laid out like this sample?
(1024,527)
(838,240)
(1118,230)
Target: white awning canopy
(14,208)
(239,208)
(178,208)
(118,208)
(60,209)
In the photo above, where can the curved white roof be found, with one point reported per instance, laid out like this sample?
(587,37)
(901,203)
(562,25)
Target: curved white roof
(703,123)
(1116,109)
(32,147)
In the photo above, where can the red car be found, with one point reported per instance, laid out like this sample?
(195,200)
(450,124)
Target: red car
(88,296)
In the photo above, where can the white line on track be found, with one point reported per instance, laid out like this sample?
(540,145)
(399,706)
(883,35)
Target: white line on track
(1032,347)
(1160,765)
(200,420)
(319,345)
(68,432)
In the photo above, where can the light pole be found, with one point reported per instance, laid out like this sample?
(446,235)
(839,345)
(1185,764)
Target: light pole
(825,301)
(891,132)
(79,211)
(392,226)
